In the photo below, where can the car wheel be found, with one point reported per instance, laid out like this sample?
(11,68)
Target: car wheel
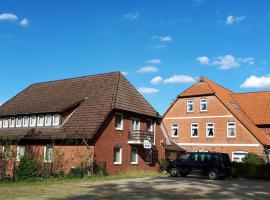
(221,177)
(184,174)
(174,172)
(213,175)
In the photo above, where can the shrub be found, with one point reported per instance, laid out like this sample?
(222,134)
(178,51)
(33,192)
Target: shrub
(252,158)
(163,164)
(27,168)
(251,171)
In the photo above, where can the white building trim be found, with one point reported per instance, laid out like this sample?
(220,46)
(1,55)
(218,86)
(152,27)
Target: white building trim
(201,117)
(219,144)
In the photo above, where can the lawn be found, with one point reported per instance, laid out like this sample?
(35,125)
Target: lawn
(61,188)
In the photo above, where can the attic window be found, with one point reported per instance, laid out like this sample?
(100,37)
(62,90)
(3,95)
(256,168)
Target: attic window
(201,81)
(235,106)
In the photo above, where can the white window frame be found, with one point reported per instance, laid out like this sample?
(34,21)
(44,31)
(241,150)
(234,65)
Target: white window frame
(5,120)
(122,122)
(120,158)
(134,118)
(151,127)
(229,136)
(14,122)
(45,120)
(53,119)
(202,101)
(191,128)
(25,118)
(136,152)
(240,157)
(1,123)
(44,156)
(18,122)
(31,124)
(18,152)
(206,129)
(39,117)
(150,154)
(190,102)
(174,126)
(8,153)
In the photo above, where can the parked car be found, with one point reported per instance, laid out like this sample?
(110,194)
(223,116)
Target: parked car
(214,165)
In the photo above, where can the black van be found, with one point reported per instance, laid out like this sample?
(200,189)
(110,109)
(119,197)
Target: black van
(214,165)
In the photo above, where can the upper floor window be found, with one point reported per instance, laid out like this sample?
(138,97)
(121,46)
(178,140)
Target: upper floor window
(5,122)
(119,121)
(203,105)
(190,106)
(194,130)
(174,130)
(33,121)
(25,121)
(19,122)
(231,129)
(56,119)
(48,120)
(135,124)
(149,125)
(12,122)
(210,130)
(40,120)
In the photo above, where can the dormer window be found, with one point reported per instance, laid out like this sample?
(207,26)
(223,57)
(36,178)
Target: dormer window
(12,122)
(56,120)
(25,121)
(5,123)
(40,120)
(203,105)
(33,120)
(190,106)
(19,122)
(48,120)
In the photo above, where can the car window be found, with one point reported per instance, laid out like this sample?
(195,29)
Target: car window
(184,157)
(205,158)
(226,159)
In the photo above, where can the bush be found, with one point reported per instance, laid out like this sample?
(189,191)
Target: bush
(252,158)
(163,164)
(251,171)
(27,168)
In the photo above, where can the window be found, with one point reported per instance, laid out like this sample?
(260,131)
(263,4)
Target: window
(117,156)
(238,156)
(134,156)
(174,130)
(48,120)
(40,120)
(48,153)
(12,122)
(56,120)
(203,105)
(6,151)
(194,130)
(210,130)
(118,121)
(190,106)
(231,129)
(149,157)
(135,124)
(25,121)
(5,123)
(19,122)
(149,125)
(20,152)
(33,121)
(1,121)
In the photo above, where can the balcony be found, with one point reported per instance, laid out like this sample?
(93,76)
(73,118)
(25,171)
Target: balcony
(138,136)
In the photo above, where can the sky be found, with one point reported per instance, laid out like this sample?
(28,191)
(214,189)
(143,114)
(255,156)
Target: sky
(161,46)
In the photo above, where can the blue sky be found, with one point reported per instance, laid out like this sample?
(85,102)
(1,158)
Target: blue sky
(162,46)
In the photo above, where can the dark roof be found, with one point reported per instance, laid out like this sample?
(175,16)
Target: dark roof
(174,147)
(96,95)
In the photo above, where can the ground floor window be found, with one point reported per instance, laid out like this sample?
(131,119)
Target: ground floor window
(5,152)
(149,157)
(48,153)
(20,152)
(117,155)
(238,156)
(134,156)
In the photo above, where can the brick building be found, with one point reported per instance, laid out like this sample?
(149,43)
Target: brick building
(209,117)
(98,118)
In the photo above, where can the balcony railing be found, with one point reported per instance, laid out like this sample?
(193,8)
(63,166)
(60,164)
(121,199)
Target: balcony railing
(138,136)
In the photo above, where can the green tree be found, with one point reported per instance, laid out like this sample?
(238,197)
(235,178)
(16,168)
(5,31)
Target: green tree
(27,168)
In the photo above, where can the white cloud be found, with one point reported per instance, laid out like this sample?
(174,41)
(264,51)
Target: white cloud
(165,38)
(148,69)
(24,22)
(132,16)
(204,60)
(154,61)
(226,62)
(256,82)
(197,2)
(248,60)
(8,17)
(156,80)
(234,20)
(179,79)
(146,90)
(159,46)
